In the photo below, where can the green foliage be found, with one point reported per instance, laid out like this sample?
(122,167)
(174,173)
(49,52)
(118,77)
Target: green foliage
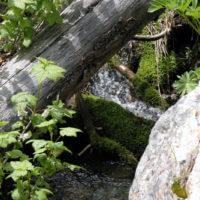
(3,123)
(58,112)
(186,8)
(8,138)
(22,100)
(18,166)
(187,82)
(47,69)
(69,131)
(119,124)
(22,18)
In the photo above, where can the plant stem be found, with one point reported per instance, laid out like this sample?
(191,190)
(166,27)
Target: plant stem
(29,184)
(51,133)
(38,94)
(58,138)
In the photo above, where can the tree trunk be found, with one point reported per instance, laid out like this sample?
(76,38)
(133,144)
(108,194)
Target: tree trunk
(92,32)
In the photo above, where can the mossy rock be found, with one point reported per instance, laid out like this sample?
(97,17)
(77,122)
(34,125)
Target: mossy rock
(112,148)
(119,124)
(148,94)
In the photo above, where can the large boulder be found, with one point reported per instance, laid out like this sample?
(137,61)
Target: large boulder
(172,155)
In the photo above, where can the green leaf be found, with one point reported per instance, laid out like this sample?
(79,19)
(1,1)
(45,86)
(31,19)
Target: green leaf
(154,7)
(37,119)
(7,47)
(54,17)
(73,167)
(24,165)
(44,61)
(25,98)
(22,100)
(48,5)
(41,193)
(29,32)
(179,190)
(27,41)
(197,72)
(4,33)
(8,138)
(45,70)
(186,83)
(16,195)
(58,111)
(41,182)
(3,123)
(58,147)
(17,125)
(69,131)
(19,3)
(26,22)
(16,174)
(39,151)
(16,154)
(47,123)
(194,3)
(21,169)
(38,144)
(13,14)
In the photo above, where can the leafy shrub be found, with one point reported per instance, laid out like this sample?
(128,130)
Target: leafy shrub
(186,8)
(22,19)
(31,129)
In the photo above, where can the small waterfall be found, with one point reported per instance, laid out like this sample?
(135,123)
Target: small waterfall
(111,85)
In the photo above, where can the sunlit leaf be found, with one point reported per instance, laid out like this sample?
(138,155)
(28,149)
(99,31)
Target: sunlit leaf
(16,154)
(43,71)
(8,138)
(17,125)
(3,123)
(73,167)
(37,144)
(19,3)
(69,131)
(47,123)
(179,190)
(24,97)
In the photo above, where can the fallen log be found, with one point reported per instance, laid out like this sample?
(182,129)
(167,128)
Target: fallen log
(91,33)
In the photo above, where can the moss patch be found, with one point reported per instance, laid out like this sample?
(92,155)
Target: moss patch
(148,94)
(104,145)
(168,67)
(119,124)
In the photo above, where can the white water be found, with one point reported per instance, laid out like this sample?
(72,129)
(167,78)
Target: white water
(111,85)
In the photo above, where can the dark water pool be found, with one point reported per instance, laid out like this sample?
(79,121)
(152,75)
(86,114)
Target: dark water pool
(102,180)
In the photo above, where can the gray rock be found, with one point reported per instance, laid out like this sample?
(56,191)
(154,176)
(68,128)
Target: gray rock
(172,152)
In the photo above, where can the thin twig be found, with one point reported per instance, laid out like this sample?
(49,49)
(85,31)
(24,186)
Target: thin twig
(84,150)
(152,37)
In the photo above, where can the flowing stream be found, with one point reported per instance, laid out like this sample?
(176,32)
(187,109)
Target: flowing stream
(111,85)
